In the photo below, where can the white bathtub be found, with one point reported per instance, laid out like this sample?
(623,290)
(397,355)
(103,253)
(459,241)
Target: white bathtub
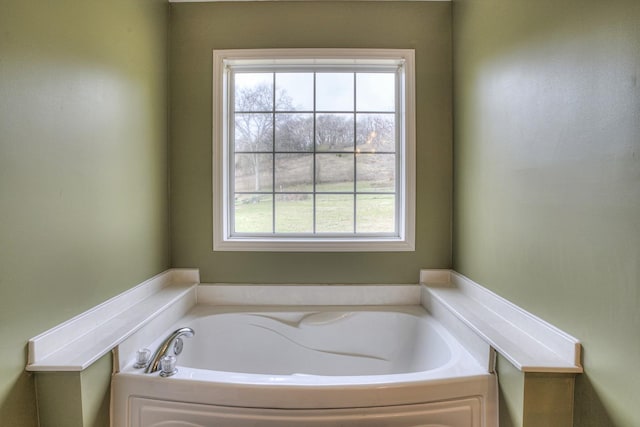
(324,366)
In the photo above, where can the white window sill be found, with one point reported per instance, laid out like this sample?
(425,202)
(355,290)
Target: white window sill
(315,244)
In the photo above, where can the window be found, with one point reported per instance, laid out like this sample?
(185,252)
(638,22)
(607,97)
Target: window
(314,150)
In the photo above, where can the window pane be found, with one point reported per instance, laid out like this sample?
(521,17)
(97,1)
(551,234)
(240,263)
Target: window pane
(375,213)
(253,132)
(375,133)
(334,172)
(334,91)
(253,213)
(334,213)
(375,92)
(294,172)
(253,91)
(334,132)
(294,213)
(253,172)
(294,91)
(294,132)
(376,172)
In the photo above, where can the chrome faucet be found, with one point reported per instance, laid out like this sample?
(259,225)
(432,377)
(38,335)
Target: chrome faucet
(170,346)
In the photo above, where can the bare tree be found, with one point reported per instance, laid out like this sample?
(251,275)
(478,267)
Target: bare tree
(254,125)
(334,132)
(294,132)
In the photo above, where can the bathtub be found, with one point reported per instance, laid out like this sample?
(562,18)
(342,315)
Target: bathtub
(305,366)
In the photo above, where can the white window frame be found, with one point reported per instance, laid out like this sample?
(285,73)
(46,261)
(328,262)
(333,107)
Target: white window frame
(223,240)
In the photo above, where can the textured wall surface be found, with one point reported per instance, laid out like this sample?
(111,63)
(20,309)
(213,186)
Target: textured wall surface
(198,28)
(83,168)
(547,176)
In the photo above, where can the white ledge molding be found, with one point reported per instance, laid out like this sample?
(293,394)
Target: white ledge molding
(75,344)
(528,342)
(310,295)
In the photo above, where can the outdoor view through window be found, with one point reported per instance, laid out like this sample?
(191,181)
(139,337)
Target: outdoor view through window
(314,152)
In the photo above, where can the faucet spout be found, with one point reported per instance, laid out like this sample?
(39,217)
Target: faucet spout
(172,344)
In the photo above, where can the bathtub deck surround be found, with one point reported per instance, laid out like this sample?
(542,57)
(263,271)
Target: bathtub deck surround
(77,343)
(525,340)
(545,358)
(483,321)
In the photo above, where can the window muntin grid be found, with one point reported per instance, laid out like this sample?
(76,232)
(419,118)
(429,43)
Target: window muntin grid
(314,152)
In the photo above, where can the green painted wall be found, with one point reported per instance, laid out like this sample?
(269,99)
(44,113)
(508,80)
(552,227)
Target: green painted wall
(83,169)
(547,176)
(511,385)
(75,399)
(198,28)
(547,158)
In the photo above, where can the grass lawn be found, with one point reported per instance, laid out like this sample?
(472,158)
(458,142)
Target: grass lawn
(334,213)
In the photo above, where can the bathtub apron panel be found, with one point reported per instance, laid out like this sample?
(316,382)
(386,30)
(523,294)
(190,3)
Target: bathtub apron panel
(155,413)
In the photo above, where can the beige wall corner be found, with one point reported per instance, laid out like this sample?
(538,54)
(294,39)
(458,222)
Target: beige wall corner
(548,400)
(534,399)
(96,392)
(510,393)
(75,399)
(59,397)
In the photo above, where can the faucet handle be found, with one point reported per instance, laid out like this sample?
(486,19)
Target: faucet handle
(143,356)
(168,366)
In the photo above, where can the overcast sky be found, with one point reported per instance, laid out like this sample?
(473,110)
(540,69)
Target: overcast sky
(375,92)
